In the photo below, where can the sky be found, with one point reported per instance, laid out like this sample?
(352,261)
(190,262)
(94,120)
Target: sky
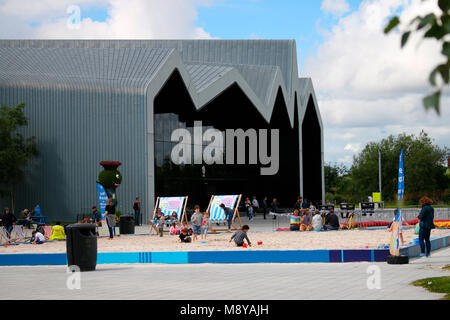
(367,87)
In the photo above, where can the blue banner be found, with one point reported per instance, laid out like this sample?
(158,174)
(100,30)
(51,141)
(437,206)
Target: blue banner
(398,221)
(102,197)
(401,178)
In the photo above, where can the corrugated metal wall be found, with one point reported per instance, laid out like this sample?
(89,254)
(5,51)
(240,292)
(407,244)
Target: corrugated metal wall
(76,130)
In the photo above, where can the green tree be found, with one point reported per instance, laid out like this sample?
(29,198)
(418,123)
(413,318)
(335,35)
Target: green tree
(338,183)
(15,150)
(437,27)
(423,162)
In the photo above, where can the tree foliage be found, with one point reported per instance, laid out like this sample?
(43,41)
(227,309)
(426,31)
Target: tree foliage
(437,27)
(423,162)
(15,150)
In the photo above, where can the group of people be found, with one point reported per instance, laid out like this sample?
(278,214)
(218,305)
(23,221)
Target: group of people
(426,224)
(302,220)
(8,220)
(201,223)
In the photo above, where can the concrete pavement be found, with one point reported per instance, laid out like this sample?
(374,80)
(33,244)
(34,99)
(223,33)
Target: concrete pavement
(314,281)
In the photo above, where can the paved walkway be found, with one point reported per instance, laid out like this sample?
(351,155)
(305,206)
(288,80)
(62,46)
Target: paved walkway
(210,282)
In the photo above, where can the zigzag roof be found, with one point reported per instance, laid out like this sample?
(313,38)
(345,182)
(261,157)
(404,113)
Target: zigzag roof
(208,67)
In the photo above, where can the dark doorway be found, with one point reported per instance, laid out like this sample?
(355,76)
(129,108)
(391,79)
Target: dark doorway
(230,110)
(312,154)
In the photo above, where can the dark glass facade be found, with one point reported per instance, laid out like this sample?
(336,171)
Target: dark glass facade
(230,110)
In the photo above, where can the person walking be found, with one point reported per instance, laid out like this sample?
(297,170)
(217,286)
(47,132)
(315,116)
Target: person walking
(137,212)
(255,205)
(110,216)
(274,206)
(249,207)
(426,217)
(265,206)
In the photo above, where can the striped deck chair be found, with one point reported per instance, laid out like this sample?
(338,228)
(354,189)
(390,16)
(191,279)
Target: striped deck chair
(217,214)
(48,232)
(17,234)
(168,205)
(4,236)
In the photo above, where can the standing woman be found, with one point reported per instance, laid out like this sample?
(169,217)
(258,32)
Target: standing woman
(426,217)
(110,215)
(8,220)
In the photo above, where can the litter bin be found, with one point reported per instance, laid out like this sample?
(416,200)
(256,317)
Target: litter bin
(81,244)
(126,224)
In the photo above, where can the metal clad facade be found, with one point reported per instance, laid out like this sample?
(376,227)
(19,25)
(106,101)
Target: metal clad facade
(87,101)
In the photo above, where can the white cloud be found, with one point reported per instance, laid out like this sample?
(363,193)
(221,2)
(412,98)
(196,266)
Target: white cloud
(127,19)
(335,7)
(352,147)
(367,86)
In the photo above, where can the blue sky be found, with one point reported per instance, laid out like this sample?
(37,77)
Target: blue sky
(301,20)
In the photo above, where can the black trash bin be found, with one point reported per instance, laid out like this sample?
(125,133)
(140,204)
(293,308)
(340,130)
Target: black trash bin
(126,224)
(81,243)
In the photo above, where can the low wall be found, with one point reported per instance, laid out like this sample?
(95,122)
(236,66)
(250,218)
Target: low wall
(245,256)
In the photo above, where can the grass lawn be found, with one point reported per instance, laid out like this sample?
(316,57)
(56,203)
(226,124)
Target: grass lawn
(438,285)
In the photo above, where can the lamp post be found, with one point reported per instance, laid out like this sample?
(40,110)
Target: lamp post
(379,175)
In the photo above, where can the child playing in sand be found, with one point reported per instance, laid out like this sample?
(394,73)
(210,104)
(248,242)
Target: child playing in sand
(37,237)
(185,226)
(205,226)
(240,235)
(184,237)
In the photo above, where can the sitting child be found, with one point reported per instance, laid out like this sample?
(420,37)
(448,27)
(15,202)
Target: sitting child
(240,235)
(37,237)
(174,230)
(306,221)
(317,221)
(185,226)
(184,237)
(295,221)
(58,232)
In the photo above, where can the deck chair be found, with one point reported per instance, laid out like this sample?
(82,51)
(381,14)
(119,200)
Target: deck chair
(17,234)
(5,237)
(217,214)
(48,232)
(168,205)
